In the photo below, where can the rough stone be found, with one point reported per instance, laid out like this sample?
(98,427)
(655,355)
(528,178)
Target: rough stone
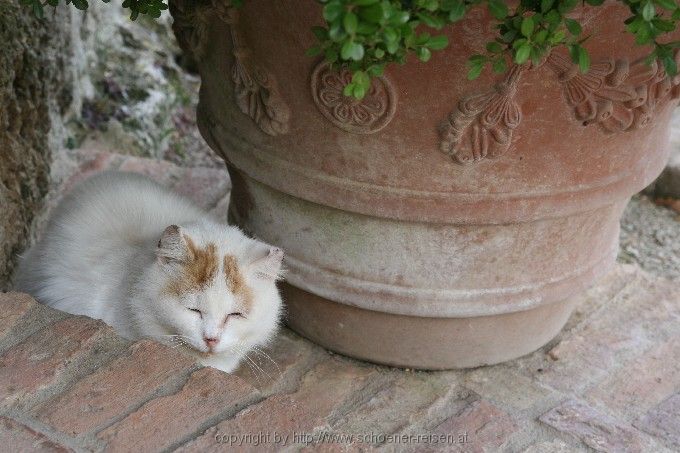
(33,93)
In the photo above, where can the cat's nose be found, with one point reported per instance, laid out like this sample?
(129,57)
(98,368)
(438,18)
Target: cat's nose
(211,342)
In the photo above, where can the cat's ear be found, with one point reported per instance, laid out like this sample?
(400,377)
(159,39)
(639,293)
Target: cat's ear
(268,266)
(171,246)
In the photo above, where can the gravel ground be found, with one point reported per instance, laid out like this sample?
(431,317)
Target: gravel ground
(650,237)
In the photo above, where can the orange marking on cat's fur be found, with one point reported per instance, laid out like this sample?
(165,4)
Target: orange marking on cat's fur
(236,282)
(199,269)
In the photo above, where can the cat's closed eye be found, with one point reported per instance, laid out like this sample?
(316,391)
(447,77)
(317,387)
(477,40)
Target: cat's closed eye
(196,310)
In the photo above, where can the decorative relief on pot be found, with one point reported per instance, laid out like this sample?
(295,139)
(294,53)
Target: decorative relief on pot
(365,116)
(255,90)
(481,126)
(615,94)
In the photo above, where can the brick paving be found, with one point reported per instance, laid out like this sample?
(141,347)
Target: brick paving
(609,382)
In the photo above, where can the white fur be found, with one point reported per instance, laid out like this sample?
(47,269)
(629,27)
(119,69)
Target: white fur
(98,257)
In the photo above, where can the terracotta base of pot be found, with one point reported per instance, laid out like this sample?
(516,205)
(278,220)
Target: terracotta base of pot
(419,342)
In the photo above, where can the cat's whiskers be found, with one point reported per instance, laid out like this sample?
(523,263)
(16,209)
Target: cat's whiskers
(247,356)
(268,357)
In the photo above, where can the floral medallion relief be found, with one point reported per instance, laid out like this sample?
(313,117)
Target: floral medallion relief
(365,116)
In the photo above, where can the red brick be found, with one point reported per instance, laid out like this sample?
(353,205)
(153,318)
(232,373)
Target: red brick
(279,367)
(323,392)
(166,421)
(479,427)
(628,322)
(114,390)
(90,163)
(14,307)
(205,186)
(16,437)
(399,403)
(639,386)
(663,422)
(160,171)
(41,360)
(597,430)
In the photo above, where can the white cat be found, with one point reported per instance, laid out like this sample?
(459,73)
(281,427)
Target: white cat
(124,249)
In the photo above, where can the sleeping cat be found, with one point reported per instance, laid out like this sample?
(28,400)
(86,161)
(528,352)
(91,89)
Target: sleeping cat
(123,249)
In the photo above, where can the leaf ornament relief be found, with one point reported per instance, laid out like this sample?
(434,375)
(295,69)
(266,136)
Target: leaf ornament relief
(256,91)
(614,94)
(481,126)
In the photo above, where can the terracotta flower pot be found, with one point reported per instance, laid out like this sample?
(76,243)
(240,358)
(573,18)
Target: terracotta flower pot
(439,222)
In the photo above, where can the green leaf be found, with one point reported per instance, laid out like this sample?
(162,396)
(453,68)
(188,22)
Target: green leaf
(457,11)
(320,32)
(333,10)
(424,54)
(500,66)
(348,90)
(594,2)
(498,9)
(375,13)
(648,11)
(546,5)
(352,51)
(475,70)
(573,26)
(80,4)
(494,47)
(670,65)
(527,26)
(670,5)
(583,60)
(350,22)
(522,53)
(438,42)
(313,51)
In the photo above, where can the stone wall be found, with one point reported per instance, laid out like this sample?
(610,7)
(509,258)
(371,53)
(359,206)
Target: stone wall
(42,80)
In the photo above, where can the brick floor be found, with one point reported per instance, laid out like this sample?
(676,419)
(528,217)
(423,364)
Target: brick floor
(146,397)
(609,382)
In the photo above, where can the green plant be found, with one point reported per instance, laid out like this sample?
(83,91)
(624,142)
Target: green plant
(367,35)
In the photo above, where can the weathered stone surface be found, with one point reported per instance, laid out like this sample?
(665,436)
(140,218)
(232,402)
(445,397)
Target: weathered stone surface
(17,437)
(114,389)
(597,430)
(663,422)
(33,88)
(163,422)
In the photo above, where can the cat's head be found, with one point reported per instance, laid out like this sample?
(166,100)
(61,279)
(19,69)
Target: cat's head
(217,288)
